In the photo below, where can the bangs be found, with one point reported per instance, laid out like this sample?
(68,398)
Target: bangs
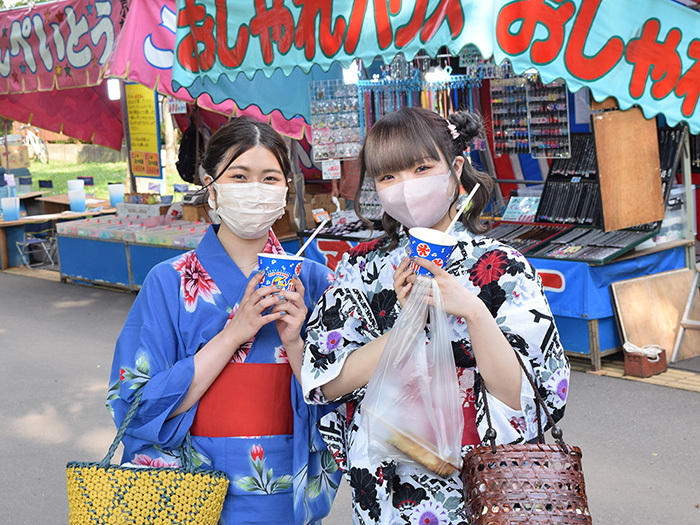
(396,144)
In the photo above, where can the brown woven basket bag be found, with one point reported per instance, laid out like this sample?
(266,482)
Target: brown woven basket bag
(525,483)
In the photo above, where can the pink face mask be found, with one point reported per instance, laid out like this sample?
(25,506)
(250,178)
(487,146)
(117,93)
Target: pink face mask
(419,202)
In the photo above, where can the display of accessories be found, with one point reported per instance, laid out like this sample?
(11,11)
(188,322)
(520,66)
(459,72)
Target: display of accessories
(509,116)
(571,194)
(358,230)
(695,151)
(548,117)
(524,237)
(670,149)
(335,119)
(592,245)
(471,58)
(370,205)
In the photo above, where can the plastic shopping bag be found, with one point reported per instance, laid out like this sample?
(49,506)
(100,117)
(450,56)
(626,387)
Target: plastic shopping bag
(412,411)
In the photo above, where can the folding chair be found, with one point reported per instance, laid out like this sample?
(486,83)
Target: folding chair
(46,184)
(89,183)
(39,243)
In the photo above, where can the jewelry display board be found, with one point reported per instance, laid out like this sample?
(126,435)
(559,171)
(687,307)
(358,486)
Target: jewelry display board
(591,245)
(334,119)
(548,118)
(571,194)
(525,237)
(509,116)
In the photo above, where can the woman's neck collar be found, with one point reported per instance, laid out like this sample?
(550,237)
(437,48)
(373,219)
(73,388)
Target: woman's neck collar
(244,252)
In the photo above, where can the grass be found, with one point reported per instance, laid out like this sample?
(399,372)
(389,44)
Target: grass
(102,173)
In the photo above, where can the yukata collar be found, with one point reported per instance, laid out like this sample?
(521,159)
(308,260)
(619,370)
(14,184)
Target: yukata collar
(217,263)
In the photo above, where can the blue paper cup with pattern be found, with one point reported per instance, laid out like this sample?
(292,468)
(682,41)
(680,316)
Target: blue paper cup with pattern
(432,245)
(279,269)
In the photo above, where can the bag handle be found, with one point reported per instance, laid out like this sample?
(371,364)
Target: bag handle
(186,456)
(557,433)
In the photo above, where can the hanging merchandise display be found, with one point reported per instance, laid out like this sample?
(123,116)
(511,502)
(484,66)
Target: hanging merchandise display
(370,206)
(569,218)
(571,193)
(548,118)
(422,83)
(334,119)
(509,113)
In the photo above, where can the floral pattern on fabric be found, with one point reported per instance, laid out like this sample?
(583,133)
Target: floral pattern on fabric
(263,480)
(242,351)
(166,326)
(194,281)
(361,305)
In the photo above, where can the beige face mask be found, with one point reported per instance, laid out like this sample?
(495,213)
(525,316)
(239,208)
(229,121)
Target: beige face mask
(249,209)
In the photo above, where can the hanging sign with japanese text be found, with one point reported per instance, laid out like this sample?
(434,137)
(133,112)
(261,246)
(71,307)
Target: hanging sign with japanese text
(144,131)
(644,52)
(57,45)
(145,52)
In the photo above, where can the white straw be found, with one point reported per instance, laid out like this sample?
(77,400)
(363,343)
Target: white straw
(461,210)
(316,232)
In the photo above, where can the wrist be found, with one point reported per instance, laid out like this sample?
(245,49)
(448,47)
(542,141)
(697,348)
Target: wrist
(476,312)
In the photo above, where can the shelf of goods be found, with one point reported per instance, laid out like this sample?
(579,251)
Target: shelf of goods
(119,251)
(578,259)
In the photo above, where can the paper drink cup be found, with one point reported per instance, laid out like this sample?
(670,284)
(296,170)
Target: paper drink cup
(279,269)
(76,198)
(432,245)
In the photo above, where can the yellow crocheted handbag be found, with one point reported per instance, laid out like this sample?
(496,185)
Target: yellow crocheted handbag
(101,493)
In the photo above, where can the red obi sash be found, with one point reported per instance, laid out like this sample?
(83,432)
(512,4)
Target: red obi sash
(247,399)
(470,436)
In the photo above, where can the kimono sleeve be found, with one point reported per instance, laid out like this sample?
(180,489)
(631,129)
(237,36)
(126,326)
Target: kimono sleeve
(341,323)
(148,356)
(519,305)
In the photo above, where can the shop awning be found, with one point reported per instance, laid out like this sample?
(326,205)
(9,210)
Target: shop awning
(144,53)
(52,59)
(643,52)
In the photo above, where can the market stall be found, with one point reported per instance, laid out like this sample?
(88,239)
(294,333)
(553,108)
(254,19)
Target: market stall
(643,57)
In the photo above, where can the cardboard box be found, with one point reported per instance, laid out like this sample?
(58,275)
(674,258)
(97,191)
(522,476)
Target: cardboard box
(196,212)
(15,157)
(286,225)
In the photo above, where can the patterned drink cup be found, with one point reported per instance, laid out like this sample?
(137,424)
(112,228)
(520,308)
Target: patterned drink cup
(279,269)
(432,245)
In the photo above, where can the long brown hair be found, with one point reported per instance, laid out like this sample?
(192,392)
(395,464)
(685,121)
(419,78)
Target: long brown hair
(399,140)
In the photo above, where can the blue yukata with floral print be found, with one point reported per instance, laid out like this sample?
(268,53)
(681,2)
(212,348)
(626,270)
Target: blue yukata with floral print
(362,305)
(184,302)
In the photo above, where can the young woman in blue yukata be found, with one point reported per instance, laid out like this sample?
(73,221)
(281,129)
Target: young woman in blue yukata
(209,360)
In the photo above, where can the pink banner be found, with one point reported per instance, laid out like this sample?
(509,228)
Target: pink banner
(144,54)
(57,45)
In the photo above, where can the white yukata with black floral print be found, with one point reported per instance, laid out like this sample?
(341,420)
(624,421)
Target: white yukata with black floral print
(361,305)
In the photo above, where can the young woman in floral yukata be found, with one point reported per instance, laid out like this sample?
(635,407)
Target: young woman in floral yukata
(211,362)
(494,298)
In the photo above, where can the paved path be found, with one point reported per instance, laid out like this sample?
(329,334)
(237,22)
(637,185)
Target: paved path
(641,441)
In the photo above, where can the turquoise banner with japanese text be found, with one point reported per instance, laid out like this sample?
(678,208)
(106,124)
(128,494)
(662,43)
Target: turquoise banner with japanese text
(643,52)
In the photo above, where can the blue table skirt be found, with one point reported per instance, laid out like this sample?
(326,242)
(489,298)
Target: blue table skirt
(576,289)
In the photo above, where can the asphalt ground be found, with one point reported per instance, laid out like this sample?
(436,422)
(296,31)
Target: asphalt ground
(640,438)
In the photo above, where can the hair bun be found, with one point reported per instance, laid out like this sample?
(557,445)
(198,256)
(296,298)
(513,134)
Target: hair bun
(468,124)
